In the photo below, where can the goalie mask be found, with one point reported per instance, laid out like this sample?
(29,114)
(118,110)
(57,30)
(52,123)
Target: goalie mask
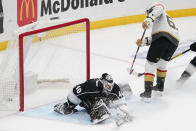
(107,82)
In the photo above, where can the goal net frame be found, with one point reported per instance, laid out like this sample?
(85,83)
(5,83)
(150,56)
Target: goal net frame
(21,56)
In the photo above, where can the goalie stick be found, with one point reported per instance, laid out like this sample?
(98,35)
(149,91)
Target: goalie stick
(141,74)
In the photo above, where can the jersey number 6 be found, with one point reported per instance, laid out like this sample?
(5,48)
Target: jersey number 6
(171,22)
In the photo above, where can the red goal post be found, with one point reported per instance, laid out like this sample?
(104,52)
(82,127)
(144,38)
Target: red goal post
(21,55)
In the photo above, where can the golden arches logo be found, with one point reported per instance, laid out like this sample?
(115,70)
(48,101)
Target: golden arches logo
(27,3)
(27,11)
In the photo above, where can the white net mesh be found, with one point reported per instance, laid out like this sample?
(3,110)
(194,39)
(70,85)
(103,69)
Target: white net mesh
(55,55)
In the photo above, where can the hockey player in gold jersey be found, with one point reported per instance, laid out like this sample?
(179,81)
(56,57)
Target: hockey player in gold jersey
(163,42)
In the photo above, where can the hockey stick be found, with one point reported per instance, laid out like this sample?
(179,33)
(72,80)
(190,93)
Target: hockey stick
(131,70)
(141,74)
(180,54)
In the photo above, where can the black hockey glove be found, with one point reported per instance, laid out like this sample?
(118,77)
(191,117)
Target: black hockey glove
(193,46)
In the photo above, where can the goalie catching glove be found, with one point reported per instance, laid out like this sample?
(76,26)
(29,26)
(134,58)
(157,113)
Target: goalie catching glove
(145,42)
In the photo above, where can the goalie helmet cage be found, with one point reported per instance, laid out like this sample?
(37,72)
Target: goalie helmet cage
(21,52)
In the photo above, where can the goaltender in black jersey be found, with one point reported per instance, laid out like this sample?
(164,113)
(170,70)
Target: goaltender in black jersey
(97,96)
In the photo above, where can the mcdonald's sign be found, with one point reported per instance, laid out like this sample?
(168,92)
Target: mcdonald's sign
(26,11)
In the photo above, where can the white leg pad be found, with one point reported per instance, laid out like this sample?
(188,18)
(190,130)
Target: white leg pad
(73,98)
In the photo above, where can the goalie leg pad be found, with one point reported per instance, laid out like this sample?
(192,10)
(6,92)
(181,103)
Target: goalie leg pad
(99,112)
(122,113)
(73,98)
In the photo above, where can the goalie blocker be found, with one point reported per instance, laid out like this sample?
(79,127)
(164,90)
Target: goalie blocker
(97,96)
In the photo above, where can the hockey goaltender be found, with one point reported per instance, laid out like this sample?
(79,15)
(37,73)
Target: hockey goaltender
(98,96)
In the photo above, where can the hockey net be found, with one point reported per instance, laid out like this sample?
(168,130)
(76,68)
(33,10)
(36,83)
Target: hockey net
(54,51)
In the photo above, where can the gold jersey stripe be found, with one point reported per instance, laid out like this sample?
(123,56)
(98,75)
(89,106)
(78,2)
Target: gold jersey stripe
(149,77)
(161,73)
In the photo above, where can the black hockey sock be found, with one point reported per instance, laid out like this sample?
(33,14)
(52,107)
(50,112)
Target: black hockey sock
(148,90)
(160,83)
(161,74)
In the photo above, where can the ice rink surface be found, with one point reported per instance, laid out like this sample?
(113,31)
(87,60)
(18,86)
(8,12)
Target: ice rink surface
(112,51)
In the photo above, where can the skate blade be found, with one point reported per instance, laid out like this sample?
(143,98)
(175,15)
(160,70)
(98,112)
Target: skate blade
(146,100)
(96,121)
